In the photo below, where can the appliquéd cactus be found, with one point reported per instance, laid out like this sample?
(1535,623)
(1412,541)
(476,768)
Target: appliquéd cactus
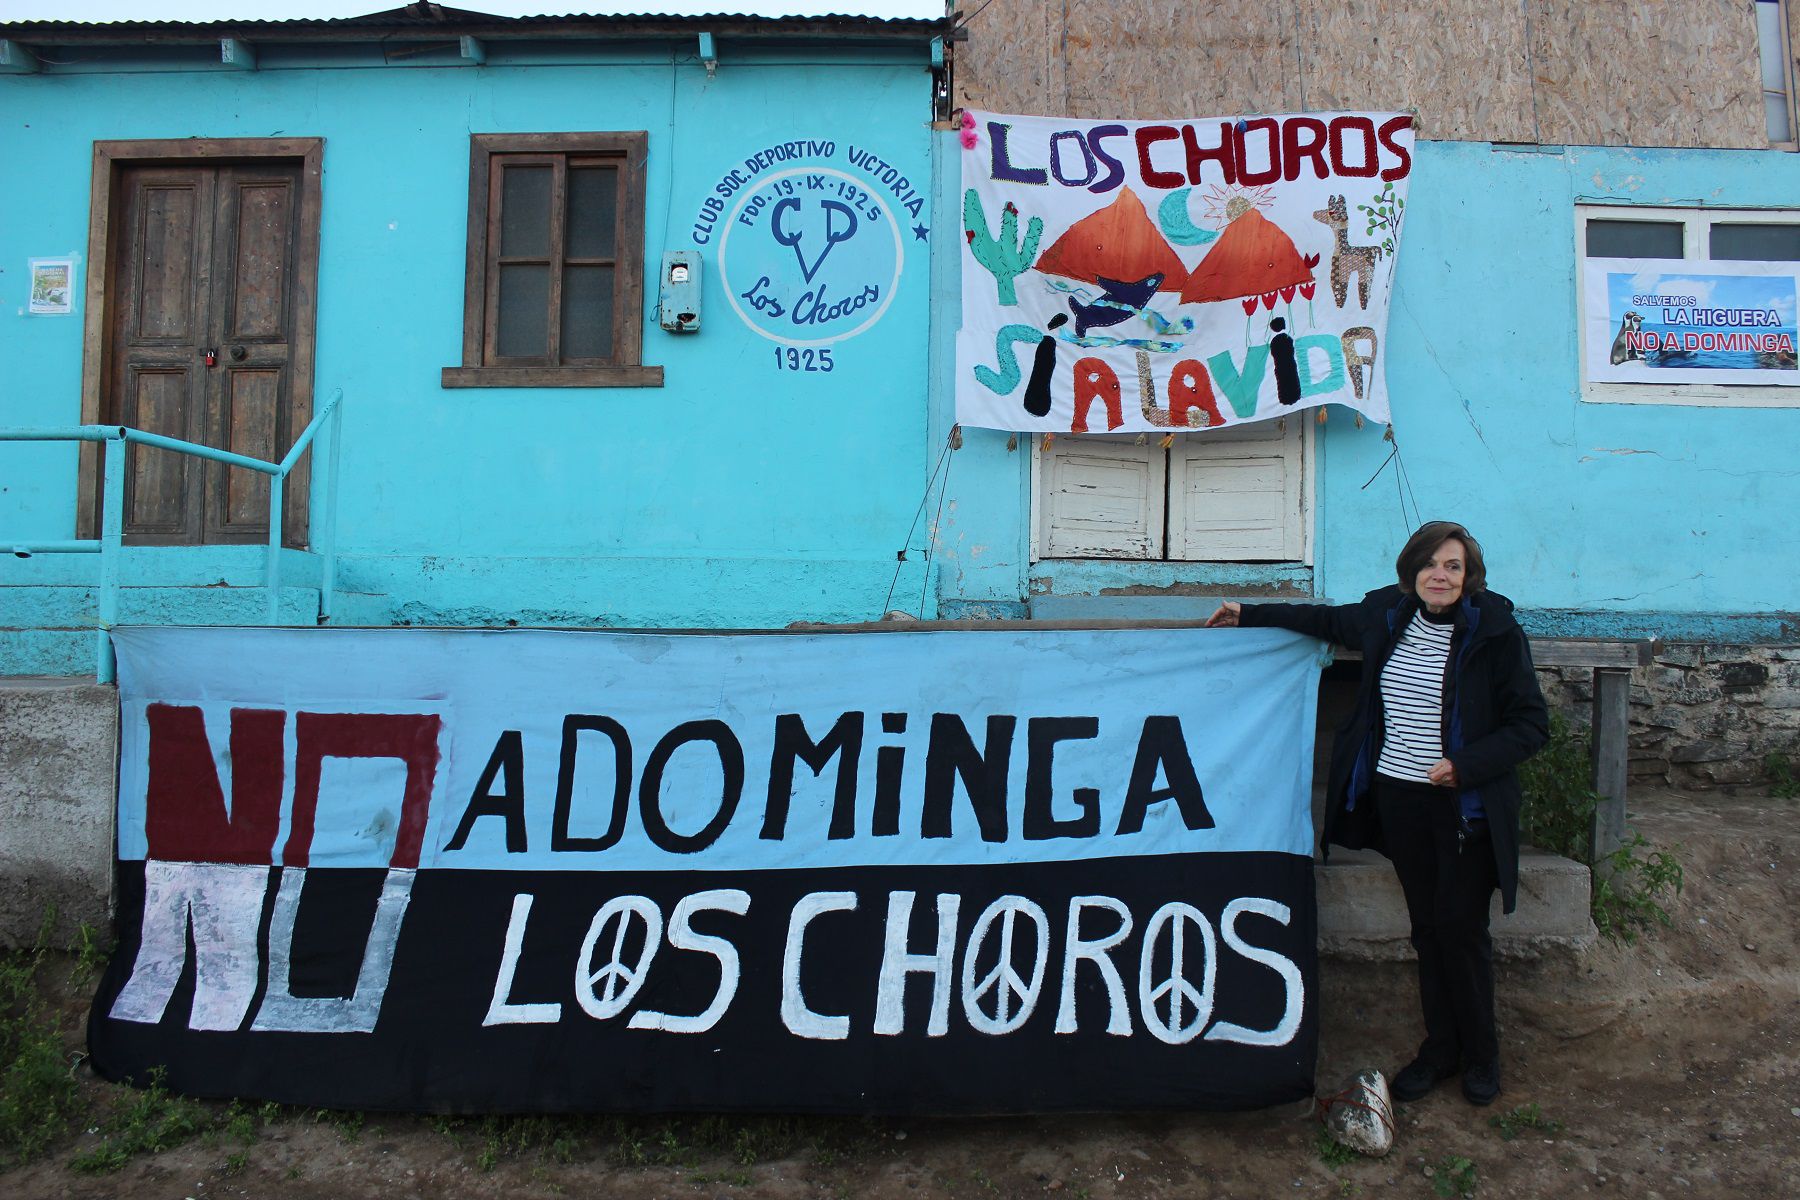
(1005,257)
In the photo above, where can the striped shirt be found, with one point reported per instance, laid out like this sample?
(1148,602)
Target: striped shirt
(1412,699)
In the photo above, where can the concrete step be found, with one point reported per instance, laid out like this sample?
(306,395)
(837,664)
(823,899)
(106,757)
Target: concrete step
(165,566)
(61,652)
(77,606)
(50,630)
(1362,913)
(58,747)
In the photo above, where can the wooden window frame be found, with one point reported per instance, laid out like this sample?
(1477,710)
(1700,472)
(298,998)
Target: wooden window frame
(626,368)
(104,198)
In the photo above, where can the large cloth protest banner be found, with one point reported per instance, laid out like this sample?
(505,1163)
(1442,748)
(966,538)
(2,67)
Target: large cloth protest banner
(929,871)
(1124,276)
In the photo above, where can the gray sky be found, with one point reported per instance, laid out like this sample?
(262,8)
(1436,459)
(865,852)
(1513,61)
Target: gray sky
(274,10)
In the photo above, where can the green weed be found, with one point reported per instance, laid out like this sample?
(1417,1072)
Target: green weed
(1784,781)
(348,1124)
(508,1137)
(91,949)
(1453,1177)
(1526,1118)
(1629,890)
(1559,796)
(150,1122)
(38,1093)
(1332,1152)
(681,1142)
(1632,884)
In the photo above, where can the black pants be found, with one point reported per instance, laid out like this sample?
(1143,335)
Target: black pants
(1449,884)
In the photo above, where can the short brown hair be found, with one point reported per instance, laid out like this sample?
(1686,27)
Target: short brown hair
(1415,556)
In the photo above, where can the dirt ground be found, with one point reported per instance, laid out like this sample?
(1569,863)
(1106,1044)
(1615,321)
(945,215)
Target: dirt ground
(1670,1068)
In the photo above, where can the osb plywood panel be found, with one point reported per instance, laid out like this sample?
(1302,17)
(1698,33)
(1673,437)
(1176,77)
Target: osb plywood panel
(1012,61)
(1136,59)
(1581,72)
(1793,32)
(1647,72)
(1461,63)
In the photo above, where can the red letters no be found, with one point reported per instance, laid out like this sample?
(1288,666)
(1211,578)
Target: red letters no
(184,801)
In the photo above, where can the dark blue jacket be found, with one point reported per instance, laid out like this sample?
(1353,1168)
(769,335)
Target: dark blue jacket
(1494,713)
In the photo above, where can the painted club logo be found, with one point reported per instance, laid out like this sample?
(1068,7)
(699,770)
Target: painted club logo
(810,256)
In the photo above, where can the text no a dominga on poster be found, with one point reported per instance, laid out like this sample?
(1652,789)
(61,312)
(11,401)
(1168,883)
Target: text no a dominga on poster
(1177,275)
(869,872)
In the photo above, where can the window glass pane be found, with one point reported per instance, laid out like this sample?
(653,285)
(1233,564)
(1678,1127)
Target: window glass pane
(593,212)
(525,212)
(1633,239)
(587,316)
(524,312)
(1773,243)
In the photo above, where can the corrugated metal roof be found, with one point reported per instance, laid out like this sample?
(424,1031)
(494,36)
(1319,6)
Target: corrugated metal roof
(429,15)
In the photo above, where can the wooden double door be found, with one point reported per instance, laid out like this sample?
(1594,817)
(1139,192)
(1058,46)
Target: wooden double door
(208,325)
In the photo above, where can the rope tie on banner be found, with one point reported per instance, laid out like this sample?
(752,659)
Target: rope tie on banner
(952,442)
(1403,489)
(937,521)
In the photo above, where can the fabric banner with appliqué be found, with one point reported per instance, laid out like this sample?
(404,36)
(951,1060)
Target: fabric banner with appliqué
(871,872)
(1131,276)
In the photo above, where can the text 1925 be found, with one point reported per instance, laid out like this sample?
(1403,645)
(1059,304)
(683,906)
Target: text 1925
(792,358)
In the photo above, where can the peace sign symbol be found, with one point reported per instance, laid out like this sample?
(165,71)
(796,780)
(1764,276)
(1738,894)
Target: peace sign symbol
(1176,989)
(1003,982)
(619,982)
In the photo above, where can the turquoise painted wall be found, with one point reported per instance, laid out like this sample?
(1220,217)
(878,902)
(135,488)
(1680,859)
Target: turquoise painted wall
(738,494)
(743,495)
(1669,518)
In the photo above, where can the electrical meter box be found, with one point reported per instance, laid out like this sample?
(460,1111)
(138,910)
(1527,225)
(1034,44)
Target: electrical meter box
(678,297)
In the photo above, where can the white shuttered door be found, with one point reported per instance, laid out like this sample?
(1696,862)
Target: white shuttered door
(1235,495)
(1101,499)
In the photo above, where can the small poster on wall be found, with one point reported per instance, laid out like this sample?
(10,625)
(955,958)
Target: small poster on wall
(1691,322)
(52,286)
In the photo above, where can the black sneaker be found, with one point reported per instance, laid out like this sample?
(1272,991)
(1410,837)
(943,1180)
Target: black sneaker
(1417,1078)
(1481,1084)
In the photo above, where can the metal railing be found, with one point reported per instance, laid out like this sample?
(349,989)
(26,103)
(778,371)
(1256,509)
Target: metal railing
(114,439)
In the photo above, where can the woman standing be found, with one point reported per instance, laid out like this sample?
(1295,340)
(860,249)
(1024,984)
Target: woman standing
(1425,771)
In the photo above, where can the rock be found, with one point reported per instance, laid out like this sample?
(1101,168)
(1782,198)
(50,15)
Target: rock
(1681,655)
(1705,751)
(1741,771)
(1362,1115)
(1743,675)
